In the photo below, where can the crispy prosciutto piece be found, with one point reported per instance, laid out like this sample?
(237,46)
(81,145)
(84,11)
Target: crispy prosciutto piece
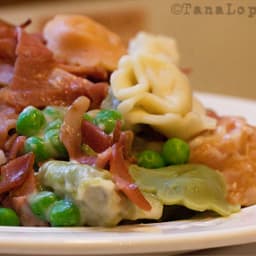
(70,133)
(15,172)
(123,179)
(94,137)
(16,147)
(68,87)
(37,80)
(92,73)
(27,218)
(8,42)
(28,187)
(18,181)
(117,132)
(103,158)
(8,118)
(17,200)
(9,143)
(34,63)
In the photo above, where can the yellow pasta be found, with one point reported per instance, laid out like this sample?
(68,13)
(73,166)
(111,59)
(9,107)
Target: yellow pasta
(162,46)
(152,90)
(80,41)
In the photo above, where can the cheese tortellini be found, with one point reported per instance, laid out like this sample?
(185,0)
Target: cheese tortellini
(152,90)
(79,41)
(156,45)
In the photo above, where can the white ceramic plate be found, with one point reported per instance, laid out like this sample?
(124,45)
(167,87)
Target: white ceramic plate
(150,239)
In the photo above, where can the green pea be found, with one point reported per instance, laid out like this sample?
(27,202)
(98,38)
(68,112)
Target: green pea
(37,146)
(56,124)
(41,202)
(176,151)
(106,119)
(52,113)
(8,217)
(64,213)
(53,140)
(87,117)
(30,121)
(150,159)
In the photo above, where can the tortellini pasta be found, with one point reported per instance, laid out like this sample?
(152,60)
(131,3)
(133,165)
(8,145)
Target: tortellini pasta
(80,41)
(152,90)
(162,46)
(196,187)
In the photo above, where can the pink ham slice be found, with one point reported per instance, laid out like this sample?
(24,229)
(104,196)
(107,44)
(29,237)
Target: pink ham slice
(8,117)
(70,132)
(123,180)
(37,81)
(15,172)
(27,218)
(17,183)
(8,42)
(94,137)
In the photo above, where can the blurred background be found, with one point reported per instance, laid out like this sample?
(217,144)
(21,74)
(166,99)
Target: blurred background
(218,44)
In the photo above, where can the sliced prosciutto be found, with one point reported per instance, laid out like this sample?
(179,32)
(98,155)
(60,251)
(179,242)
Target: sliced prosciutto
(8,41)
(34,63)
(17,147)
(15,172)
(37,80)
(18,181)
(92,73)
(68,87)
(27,218)
(70,133)
(123,179)
(94,137)
(8,118)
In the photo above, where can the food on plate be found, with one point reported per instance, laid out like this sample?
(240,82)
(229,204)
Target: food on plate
(83,44)
(152,90)
(94,134)
(230,148)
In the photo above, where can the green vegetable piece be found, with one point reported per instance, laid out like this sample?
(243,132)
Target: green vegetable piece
(91,189)
(30,121)
(176,151)
(87,117)
(8,217)
(56,124)
(106,119)
(38,147)
(53,141)
(150,159)
(51,113)
(41,202)
(64,213)
(196,187)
